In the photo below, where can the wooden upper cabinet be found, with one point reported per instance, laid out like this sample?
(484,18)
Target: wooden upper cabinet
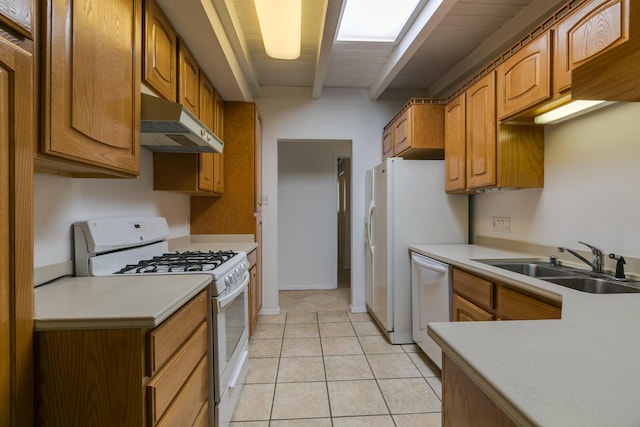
(188,80)
(455,145)
(207,116)
(524,79)
(218,158)
(387,142)
(91,87)
(258,161)
(18,15)
(402,131)
(160,50)
(481,133)
(596,27)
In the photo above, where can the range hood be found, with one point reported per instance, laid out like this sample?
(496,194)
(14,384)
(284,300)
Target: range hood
(169,126)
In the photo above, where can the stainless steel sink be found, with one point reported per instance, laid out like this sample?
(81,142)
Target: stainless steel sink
(534,269)
(594,285)
(569,277)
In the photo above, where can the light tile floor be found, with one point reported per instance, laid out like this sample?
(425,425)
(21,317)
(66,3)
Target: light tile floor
(318,365)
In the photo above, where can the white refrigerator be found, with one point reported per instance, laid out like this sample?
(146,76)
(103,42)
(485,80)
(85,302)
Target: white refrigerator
(406,204)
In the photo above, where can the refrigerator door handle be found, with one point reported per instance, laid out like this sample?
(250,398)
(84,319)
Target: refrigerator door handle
(419,260)
(370,225)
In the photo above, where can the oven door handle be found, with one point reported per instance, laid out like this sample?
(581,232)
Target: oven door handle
(225,299)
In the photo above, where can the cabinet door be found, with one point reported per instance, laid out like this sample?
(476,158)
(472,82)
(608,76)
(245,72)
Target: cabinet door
(188,80)
(207,115)
(92,83)
(16,236)
(387,143)
(524,79)
(218,158)
(402,132)
(466,311)
(481,133)
(160,70)
(18,15)
(595,28)
(455,145)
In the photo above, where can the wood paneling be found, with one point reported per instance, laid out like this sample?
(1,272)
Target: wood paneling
(16,235)
(233,212)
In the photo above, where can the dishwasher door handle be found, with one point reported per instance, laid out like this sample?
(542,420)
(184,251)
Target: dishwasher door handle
(419,261)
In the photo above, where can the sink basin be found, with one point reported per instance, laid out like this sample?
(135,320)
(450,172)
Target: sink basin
(534,269)
(593,285)
(566,276)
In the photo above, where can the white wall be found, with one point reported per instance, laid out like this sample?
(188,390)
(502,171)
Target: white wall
(341,115)
(307,213)
(591,191)
(60,201)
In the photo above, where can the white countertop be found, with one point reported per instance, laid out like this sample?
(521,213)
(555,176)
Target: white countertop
(114,301)
(581,370)
(124,301)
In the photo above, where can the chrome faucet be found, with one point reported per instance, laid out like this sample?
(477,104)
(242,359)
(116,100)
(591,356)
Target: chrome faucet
(597,265)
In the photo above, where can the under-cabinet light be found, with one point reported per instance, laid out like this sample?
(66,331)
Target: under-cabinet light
(280,25)
(569,111)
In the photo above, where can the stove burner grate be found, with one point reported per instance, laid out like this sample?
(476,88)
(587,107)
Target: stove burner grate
(179,262)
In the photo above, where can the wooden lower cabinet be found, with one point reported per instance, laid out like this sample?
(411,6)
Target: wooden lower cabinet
(477,298)
(465,404)
(255,290)
(126,377)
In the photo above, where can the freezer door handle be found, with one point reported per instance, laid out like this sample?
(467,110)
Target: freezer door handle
(420,261)
(370,225)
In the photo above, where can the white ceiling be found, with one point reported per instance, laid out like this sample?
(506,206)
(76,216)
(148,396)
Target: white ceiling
(449,40)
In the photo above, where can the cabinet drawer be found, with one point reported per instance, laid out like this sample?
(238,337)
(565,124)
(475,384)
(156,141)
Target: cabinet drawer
(515,305)
(168,337)
(465,311)
(162,389)
(187,405)
(476,289)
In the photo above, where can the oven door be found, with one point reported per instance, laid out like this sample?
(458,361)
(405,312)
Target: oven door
(230,336)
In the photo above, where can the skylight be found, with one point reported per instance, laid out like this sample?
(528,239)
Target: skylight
(375,20)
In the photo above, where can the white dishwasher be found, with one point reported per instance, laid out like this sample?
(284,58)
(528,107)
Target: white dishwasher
(431,301)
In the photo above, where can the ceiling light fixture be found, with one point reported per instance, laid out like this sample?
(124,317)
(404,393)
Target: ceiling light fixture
(569,111)
(280,25)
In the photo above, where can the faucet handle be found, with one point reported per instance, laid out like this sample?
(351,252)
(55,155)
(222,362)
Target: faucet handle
(594,250)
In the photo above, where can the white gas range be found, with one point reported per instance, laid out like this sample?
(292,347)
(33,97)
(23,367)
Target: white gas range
(130,246)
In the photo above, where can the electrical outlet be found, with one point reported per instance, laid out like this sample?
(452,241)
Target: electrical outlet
(501,224)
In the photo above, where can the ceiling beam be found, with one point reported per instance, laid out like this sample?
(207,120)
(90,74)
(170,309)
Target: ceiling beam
(329,29)
(427,21)
(204,33)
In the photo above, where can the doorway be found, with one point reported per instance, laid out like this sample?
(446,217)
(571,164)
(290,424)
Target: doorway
(344,222)
(308,199)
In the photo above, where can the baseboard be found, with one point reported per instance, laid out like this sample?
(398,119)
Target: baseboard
(273,312)
(326,287)
(357,309)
